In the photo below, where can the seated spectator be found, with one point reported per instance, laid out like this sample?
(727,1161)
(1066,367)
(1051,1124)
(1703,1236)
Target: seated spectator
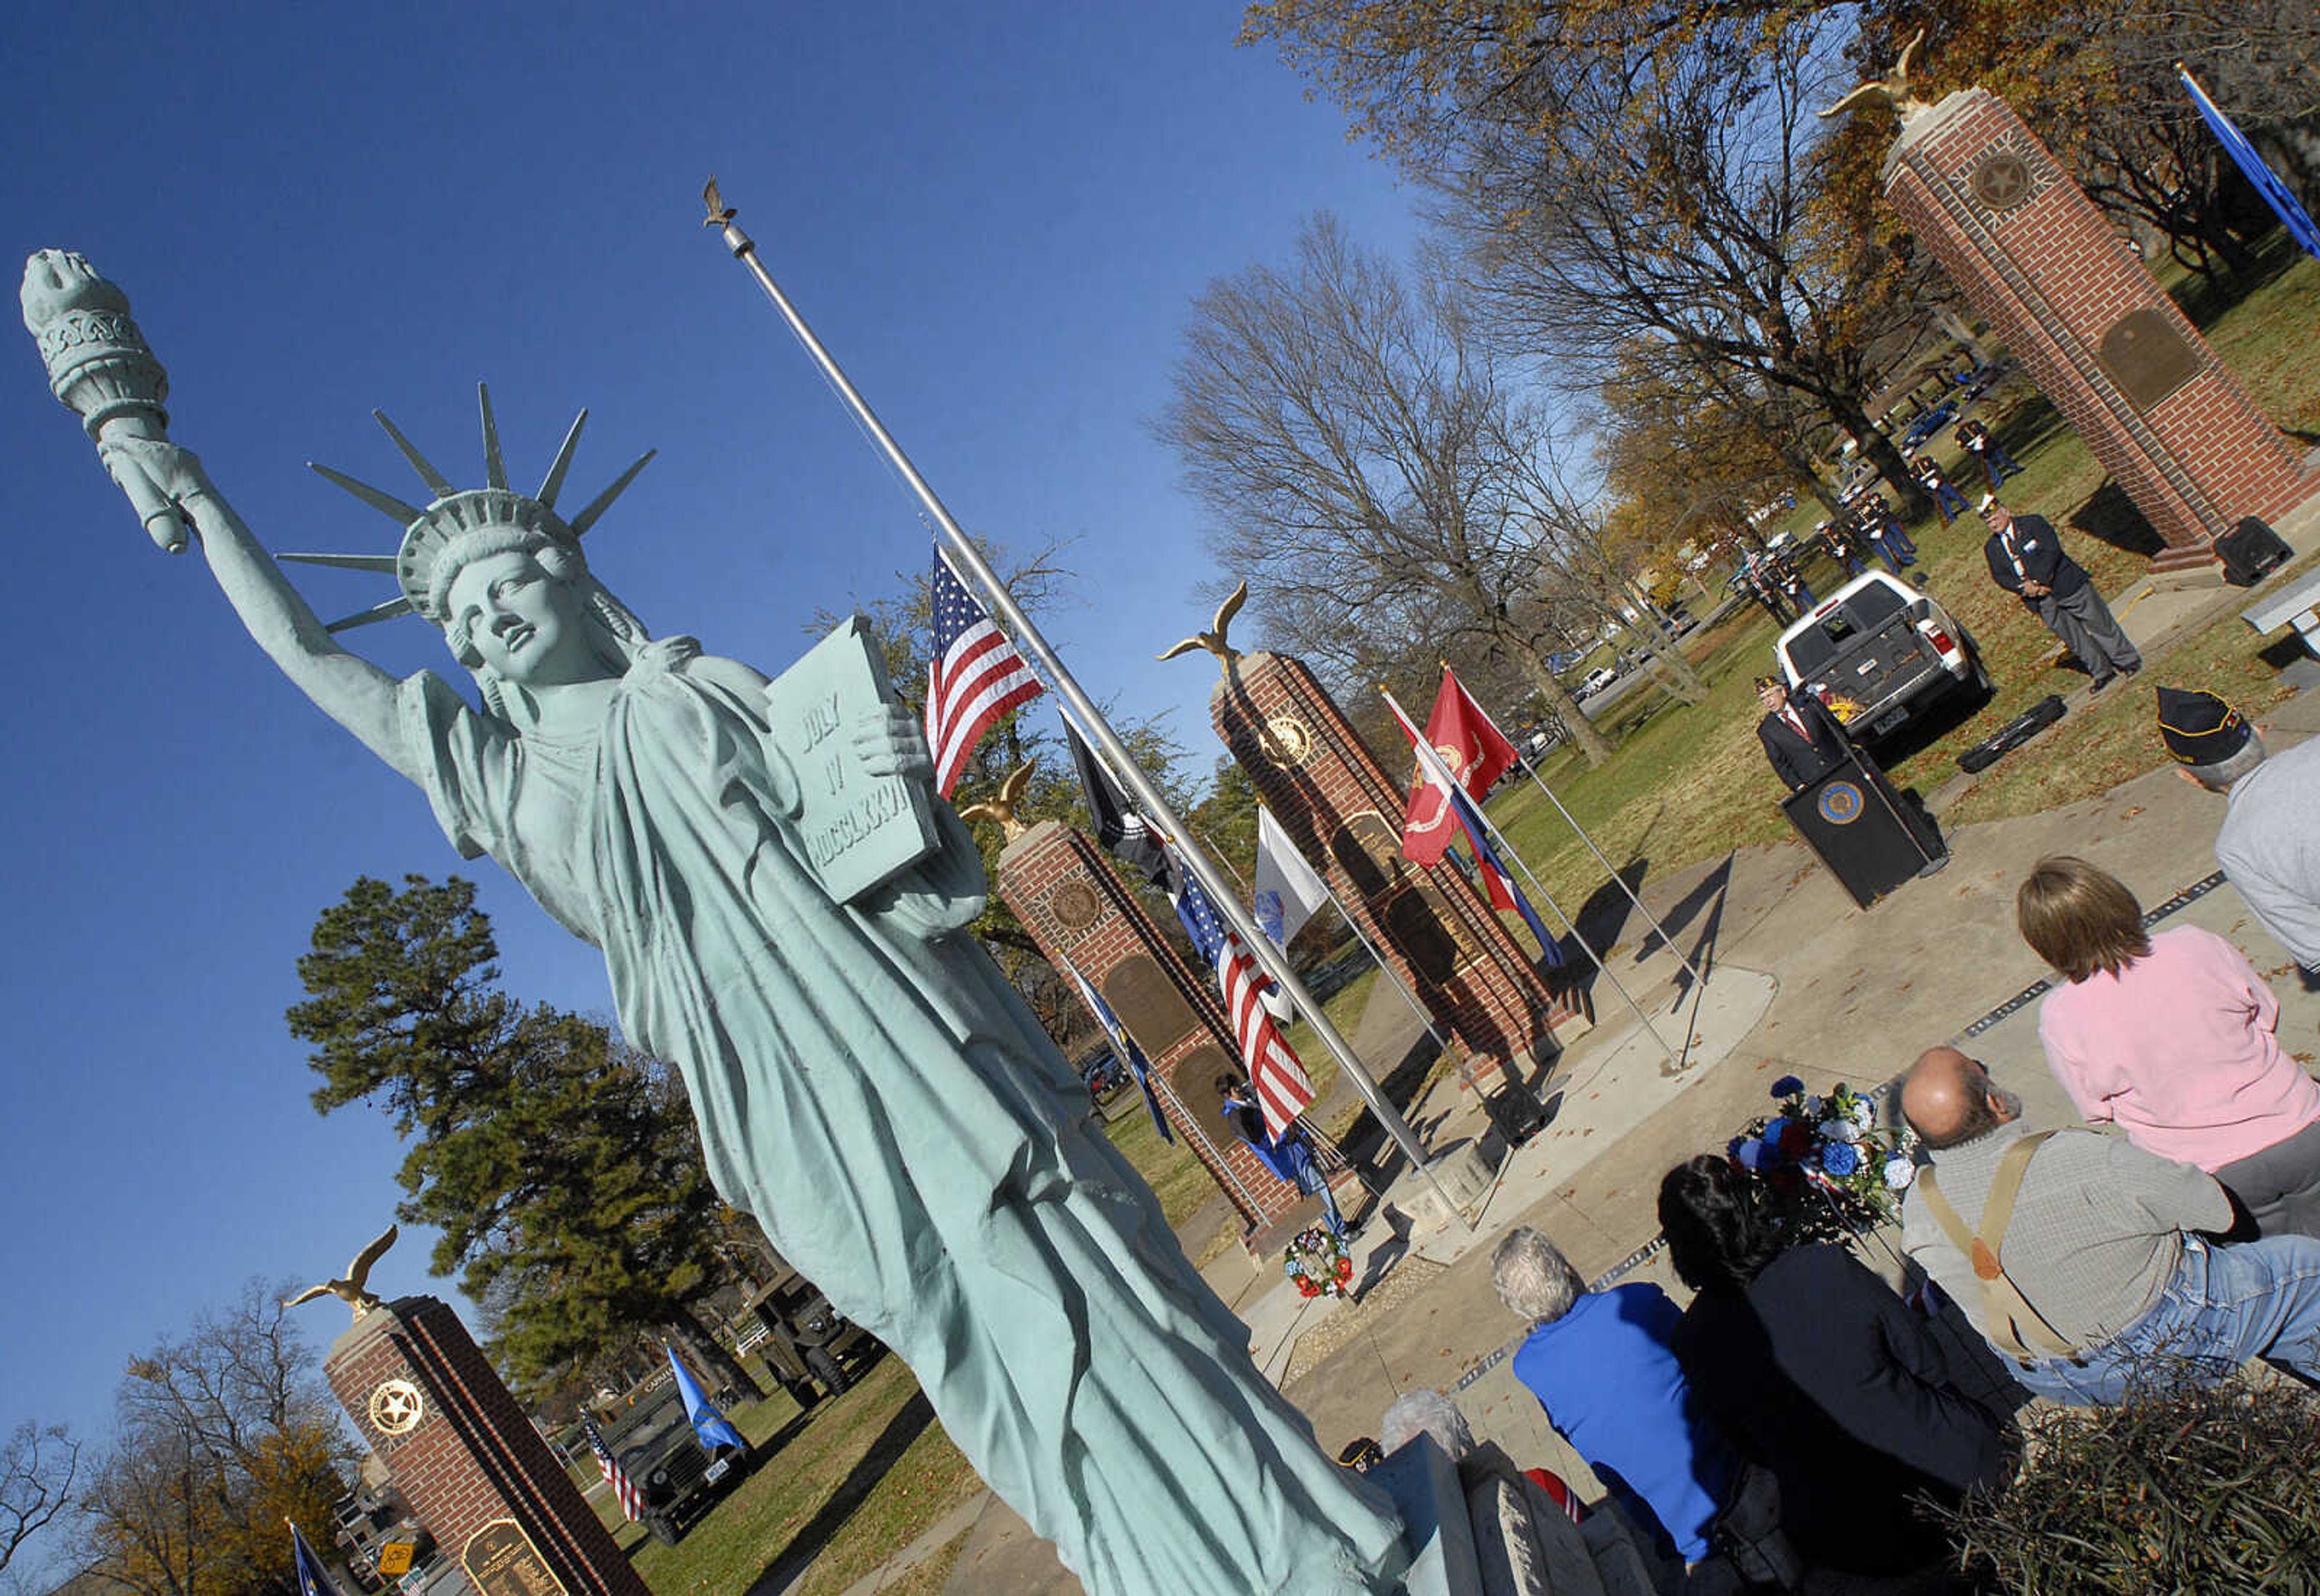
(2170,1037)
(2266,843)
(1599,1362)
(1820,1373)
(2081,1257)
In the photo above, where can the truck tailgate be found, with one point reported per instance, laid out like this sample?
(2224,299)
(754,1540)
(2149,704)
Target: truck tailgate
(1885,665)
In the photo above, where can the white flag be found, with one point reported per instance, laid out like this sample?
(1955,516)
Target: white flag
(1287,890)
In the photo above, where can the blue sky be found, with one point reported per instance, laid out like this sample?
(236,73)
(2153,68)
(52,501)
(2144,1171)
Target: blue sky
(995,214)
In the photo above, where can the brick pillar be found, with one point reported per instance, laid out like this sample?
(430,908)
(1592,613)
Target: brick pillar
(2094,329)
(466,1459)
(1333,797)
(1068,895)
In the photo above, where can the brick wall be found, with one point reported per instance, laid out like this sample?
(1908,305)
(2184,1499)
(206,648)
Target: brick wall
(1332,795)
(1076,906)
(2092,328)
(473,1457)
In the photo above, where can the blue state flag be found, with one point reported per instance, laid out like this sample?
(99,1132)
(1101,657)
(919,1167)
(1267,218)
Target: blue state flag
(1139,1068)
(313,1579)
(707,1423)
(2268,182)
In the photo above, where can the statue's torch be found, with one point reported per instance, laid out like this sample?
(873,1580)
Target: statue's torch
(101,367)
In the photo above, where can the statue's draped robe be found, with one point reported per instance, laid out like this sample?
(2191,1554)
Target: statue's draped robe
(871,1088)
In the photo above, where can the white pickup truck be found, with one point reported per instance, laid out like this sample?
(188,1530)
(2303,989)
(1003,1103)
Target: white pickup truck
(1878,652)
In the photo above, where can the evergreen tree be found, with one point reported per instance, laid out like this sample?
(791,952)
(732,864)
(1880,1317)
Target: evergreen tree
(563,1168)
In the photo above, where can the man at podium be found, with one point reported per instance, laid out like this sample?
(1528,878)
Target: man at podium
(1801,738)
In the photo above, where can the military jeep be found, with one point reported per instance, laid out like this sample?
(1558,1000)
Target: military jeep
(680,1479)
(807,1342)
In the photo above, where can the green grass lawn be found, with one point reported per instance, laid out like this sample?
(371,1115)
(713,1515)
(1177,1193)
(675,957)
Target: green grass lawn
(870,1472)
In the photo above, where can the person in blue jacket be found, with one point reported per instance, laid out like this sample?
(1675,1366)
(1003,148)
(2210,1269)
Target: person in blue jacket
(1290,1156)
(1600,1365)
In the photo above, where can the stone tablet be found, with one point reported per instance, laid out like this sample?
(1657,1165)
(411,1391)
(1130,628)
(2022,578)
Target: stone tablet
(858,829)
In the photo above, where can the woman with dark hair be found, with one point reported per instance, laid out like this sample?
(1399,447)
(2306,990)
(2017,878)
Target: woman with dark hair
(2170,1037)
(1817,1372)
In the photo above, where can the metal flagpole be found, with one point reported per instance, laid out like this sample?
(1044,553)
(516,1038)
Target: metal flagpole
(1270,959)
(1540,782)
(1439,774)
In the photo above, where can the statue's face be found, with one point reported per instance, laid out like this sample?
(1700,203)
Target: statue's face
(527,625)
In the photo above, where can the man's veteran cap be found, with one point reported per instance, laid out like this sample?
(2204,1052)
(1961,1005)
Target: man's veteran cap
(2198,728)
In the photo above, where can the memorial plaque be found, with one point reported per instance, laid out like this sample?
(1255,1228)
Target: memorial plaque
(1419,933)
(501,1561)
(1149,1004)
(2147,357)
(1194,1079)
(859,831)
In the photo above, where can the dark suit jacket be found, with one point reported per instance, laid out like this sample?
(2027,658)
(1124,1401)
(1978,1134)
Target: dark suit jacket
(1802,761)
(1822,1375)
(2039,547)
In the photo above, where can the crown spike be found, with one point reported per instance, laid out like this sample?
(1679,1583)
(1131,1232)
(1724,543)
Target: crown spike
(345,562)
(494,468)
(554,483)
(604,501)
(395,608)
(436,482)
(384,503)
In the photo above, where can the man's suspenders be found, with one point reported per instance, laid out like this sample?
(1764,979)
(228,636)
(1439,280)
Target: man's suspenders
(2015,1326)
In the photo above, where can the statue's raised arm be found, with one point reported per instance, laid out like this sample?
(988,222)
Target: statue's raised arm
(100,365)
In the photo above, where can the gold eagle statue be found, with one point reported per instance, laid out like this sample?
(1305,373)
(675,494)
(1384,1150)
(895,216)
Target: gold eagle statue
(354,1291)
(1213,640)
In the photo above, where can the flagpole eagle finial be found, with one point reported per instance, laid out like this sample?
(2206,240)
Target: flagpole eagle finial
(1893,88)
(1002,808)
(354,1291)
(1213,640)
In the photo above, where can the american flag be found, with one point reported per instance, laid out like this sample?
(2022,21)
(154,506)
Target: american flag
(1284,1090)
(974,676)
(631,1499)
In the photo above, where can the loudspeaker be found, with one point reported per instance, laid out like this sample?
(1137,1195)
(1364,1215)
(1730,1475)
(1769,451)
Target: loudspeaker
(1870,838)
(2250,551)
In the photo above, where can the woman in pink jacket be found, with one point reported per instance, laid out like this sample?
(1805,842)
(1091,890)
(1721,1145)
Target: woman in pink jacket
(2170,1037)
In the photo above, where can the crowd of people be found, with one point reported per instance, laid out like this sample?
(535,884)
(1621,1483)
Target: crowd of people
(1801,1412)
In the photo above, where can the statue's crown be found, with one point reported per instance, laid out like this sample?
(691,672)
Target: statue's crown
(456,515)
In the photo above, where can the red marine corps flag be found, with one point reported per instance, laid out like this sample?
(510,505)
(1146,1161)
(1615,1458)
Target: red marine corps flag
(1475,752)
(974,676)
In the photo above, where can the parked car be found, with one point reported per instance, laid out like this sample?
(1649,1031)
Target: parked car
(1880,652)
(1103,1073)
(681,1478)
(1931,421)
(1600,677)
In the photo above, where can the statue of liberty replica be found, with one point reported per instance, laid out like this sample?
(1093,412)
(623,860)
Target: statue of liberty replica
(867,1083)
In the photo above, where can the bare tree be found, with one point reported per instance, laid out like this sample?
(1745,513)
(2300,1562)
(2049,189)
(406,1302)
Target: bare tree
(1348,435)
(38,1465)
(223,1434)
(1621,173)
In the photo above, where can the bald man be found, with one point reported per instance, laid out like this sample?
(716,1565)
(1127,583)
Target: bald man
(2102,1243)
